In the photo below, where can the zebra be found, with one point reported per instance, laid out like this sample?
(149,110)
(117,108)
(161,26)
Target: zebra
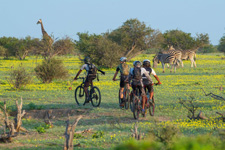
(178,55)
(165,58)
(189,54)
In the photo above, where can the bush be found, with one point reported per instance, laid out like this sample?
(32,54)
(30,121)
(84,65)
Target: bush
(51,69)
(2,51)
(19,77)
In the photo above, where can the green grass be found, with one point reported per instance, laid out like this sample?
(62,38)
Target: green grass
(109,119)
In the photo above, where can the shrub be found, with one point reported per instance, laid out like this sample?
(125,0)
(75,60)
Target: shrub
(2,51)
(19,77)
(51,69)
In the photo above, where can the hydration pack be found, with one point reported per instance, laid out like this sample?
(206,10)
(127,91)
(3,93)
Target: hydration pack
(137,73)
(124,68)
(92,70)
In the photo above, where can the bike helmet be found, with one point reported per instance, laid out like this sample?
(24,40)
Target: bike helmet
(137,63)
(87,60)
(123,59)
(146,62)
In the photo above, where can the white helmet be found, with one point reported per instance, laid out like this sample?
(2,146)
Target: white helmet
(146,60)
(123,59)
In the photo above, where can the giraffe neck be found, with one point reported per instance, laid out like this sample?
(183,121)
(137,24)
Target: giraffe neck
(42,29)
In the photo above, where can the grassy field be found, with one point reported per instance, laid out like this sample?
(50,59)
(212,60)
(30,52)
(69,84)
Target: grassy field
(111,125)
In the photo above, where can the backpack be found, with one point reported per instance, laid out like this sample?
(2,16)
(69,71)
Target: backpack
(124,68)
(137,73)
(92,70)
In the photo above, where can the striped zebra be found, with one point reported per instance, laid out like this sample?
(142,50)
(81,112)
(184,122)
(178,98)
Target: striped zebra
(177,53)
(189,54)
(165,58)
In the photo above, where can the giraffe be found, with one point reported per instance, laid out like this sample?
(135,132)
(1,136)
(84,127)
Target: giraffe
(48,41)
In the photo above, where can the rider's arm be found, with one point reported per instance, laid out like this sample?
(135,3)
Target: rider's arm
(101,71)
(78,74)
(114,77)
(156,77)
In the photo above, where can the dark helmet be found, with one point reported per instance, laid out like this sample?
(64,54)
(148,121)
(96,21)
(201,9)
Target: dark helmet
(87,60)
(137,63)
(146,62)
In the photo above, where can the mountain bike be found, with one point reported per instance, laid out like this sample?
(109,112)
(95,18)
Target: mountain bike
(93,92)
(126,95)
(136,103)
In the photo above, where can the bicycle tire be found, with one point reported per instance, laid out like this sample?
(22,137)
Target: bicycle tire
(127,98)
(136,105)
(79,94)
(151,107)
(95,96)
(131,102)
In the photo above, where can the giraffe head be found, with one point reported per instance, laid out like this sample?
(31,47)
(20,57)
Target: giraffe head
(39,21)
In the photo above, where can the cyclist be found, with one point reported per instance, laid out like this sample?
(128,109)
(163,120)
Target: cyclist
(91,75)
(135,76)
(147,84)
(123,67)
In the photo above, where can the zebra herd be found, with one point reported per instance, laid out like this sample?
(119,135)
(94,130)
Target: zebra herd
(174,58)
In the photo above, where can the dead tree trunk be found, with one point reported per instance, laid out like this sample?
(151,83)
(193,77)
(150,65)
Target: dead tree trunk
(14,127)
(135,133)
(69,134)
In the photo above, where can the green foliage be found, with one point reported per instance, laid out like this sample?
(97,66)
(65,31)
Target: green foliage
(19,77)
(181,40)
(32,106)
(2,51)
(204,142)
(208,49)
(98,134)
(51,69)
(139,145)
(101,50)
(221,46)
(78,136)
(64,46)
(42,128)
(166,134)
(129,40)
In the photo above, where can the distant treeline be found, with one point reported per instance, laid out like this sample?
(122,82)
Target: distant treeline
(129,40)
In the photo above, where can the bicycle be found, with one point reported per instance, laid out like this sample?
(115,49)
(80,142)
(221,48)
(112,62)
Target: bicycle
(150,104)
(126,95)
(93,92)
(137,104)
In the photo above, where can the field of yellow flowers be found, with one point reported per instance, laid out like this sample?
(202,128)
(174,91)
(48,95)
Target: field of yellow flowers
(109,124)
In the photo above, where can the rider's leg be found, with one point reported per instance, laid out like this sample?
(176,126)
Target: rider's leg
(86,85)
(121,92)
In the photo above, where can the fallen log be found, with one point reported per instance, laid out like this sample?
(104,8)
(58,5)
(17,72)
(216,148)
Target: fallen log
(214,96)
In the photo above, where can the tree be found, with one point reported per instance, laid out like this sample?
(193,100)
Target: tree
(181,40)
(99,48)
(63,46)
(221,46)
(133,37)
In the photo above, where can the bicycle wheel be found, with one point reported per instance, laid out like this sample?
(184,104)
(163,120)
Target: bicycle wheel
(95,96)
(127,98)
(151,107)
(136,107)
(131,102)
(79,95)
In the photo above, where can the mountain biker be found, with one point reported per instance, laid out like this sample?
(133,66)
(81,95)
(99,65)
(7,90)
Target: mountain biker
(123,67)
(135,76)
(91,75)
(147,84)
